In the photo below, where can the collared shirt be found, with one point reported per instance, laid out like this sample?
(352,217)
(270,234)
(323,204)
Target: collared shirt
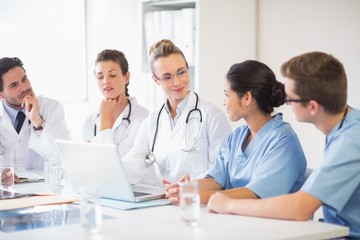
(12,113)
(179,109)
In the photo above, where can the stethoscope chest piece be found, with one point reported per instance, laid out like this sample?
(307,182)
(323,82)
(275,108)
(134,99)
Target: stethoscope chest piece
(150,158)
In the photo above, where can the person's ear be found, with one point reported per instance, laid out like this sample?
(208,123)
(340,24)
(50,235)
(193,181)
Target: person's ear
(127,78)
(248,98)
(314,107)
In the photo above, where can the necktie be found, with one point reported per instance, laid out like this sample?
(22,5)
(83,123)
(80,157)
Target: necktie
(20,120)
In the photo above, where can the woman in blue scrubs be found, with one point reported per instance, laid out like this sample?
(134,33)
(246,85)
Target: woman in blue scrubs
(262,158)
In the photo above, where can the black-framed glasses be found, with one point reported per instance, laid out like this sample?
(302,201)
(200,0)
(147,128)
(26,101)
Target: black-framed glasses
(288,101)
(169,77)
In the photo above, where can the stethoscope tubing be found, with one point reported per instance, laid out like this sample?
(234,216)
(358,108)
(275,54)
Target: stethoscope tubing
(157,127)
(150,158)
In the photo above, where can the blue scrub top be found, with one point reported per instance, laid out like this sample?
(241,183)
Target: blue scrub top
(272,164)
(337,181)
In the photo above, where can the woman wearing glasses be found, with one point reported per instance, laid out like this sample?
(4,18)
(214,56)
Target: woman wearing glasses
(119,115)
(185,134)
(261,159)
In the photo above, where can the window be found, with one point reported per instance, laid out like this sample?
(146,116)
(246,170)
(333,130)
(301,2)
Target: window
(49,37)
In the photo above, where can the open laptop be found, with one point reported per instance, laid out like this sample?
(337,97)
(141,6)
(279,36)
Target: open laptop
(95,167)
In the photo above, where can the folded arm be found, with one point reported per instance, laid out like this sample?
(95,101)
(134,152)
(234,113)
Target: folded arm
(297,206)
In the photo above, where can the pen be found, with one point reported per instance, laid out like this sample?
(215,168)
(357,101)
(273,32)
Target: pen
(25,179)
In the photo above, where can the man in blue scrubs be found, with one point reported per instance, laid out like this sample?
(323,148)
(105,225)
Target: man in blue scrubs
(316,88)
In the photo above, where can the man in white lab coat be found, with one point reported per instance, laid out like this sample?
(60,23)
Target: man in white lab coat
(30,137)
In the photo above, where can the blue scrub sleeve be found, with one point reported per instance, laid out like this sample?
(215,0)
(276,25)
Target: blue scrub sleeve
(278,171)
(336,180)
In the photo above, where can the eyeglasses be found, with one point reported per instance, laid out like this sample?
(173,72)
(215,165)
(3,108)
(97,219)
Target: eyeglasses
(288,101)
(169,77)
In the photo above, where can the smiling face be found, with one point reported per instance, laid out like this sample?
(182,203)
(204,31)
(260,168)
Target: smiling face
(235,106)
(111,80)
(16,86)
(176,87)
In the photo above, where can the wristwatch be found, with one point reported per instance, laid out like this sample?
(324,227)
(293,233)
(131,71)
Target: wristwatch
(40,127)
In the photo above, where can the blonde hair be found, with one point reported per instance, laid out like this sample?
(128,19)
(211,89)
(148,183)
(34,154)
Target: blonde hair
(163,48)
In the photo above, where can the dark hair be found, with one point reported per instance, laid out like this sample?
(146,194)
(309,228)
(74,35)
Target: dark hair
(318,76)
(6,64)
(117,57)
(257,78)
(163,48)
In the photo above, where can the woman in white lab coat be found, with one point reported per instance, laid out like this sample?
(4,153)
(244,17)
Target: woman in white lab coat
(184,135)
(119,116)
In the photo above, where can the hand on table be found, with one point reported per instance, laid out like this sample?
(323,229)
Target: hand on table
(172,189)
(219,203)
(6,177)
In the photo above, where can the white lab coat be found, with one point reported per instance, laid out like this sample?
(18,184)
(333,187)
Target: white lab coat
(29,146)
(172,162)
(122,134)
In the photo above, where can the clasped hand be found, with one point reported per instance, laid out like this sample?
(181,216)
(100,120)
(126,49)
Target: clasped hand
(6,177)
(172,189)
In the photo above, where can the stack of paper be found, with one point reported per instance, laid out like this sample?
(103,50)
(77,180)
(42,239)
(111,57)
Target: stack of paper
(36,200)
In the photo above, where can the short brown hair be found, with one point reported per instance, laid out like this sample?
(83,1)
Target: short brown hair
(7,63)
(318,76)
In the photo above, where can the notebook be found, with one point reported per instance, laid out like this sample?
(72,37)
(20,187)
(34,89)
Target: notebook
(95,168)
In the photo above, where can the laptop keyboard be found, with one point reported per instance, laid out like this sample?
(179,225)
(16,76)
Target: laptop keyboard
(139,194)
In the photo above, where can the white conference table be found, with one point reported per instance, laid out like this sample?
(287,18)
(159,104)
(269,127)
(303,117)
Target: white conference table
(163,222)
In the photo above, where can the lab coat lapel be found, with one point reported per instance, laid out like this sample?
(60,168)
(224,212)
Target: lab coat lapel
(5,121)
(163,139)
(165,125)
(120,119)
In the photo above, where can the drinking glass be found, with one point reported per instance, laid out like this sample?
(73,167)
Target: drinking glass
(189,202)
(57,178)
(90,213)
(51,159)
(7,171)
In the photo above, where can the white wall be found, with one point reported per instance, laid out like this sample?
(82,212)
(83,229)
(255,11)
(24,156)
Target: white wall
(48,36)
(226,34)
(288,28)
(112,24)
(272,31)
(284,29)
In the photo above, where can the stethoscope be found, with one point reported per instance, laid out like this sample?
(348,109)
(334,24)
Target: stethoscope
(150,157)
(125,118)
